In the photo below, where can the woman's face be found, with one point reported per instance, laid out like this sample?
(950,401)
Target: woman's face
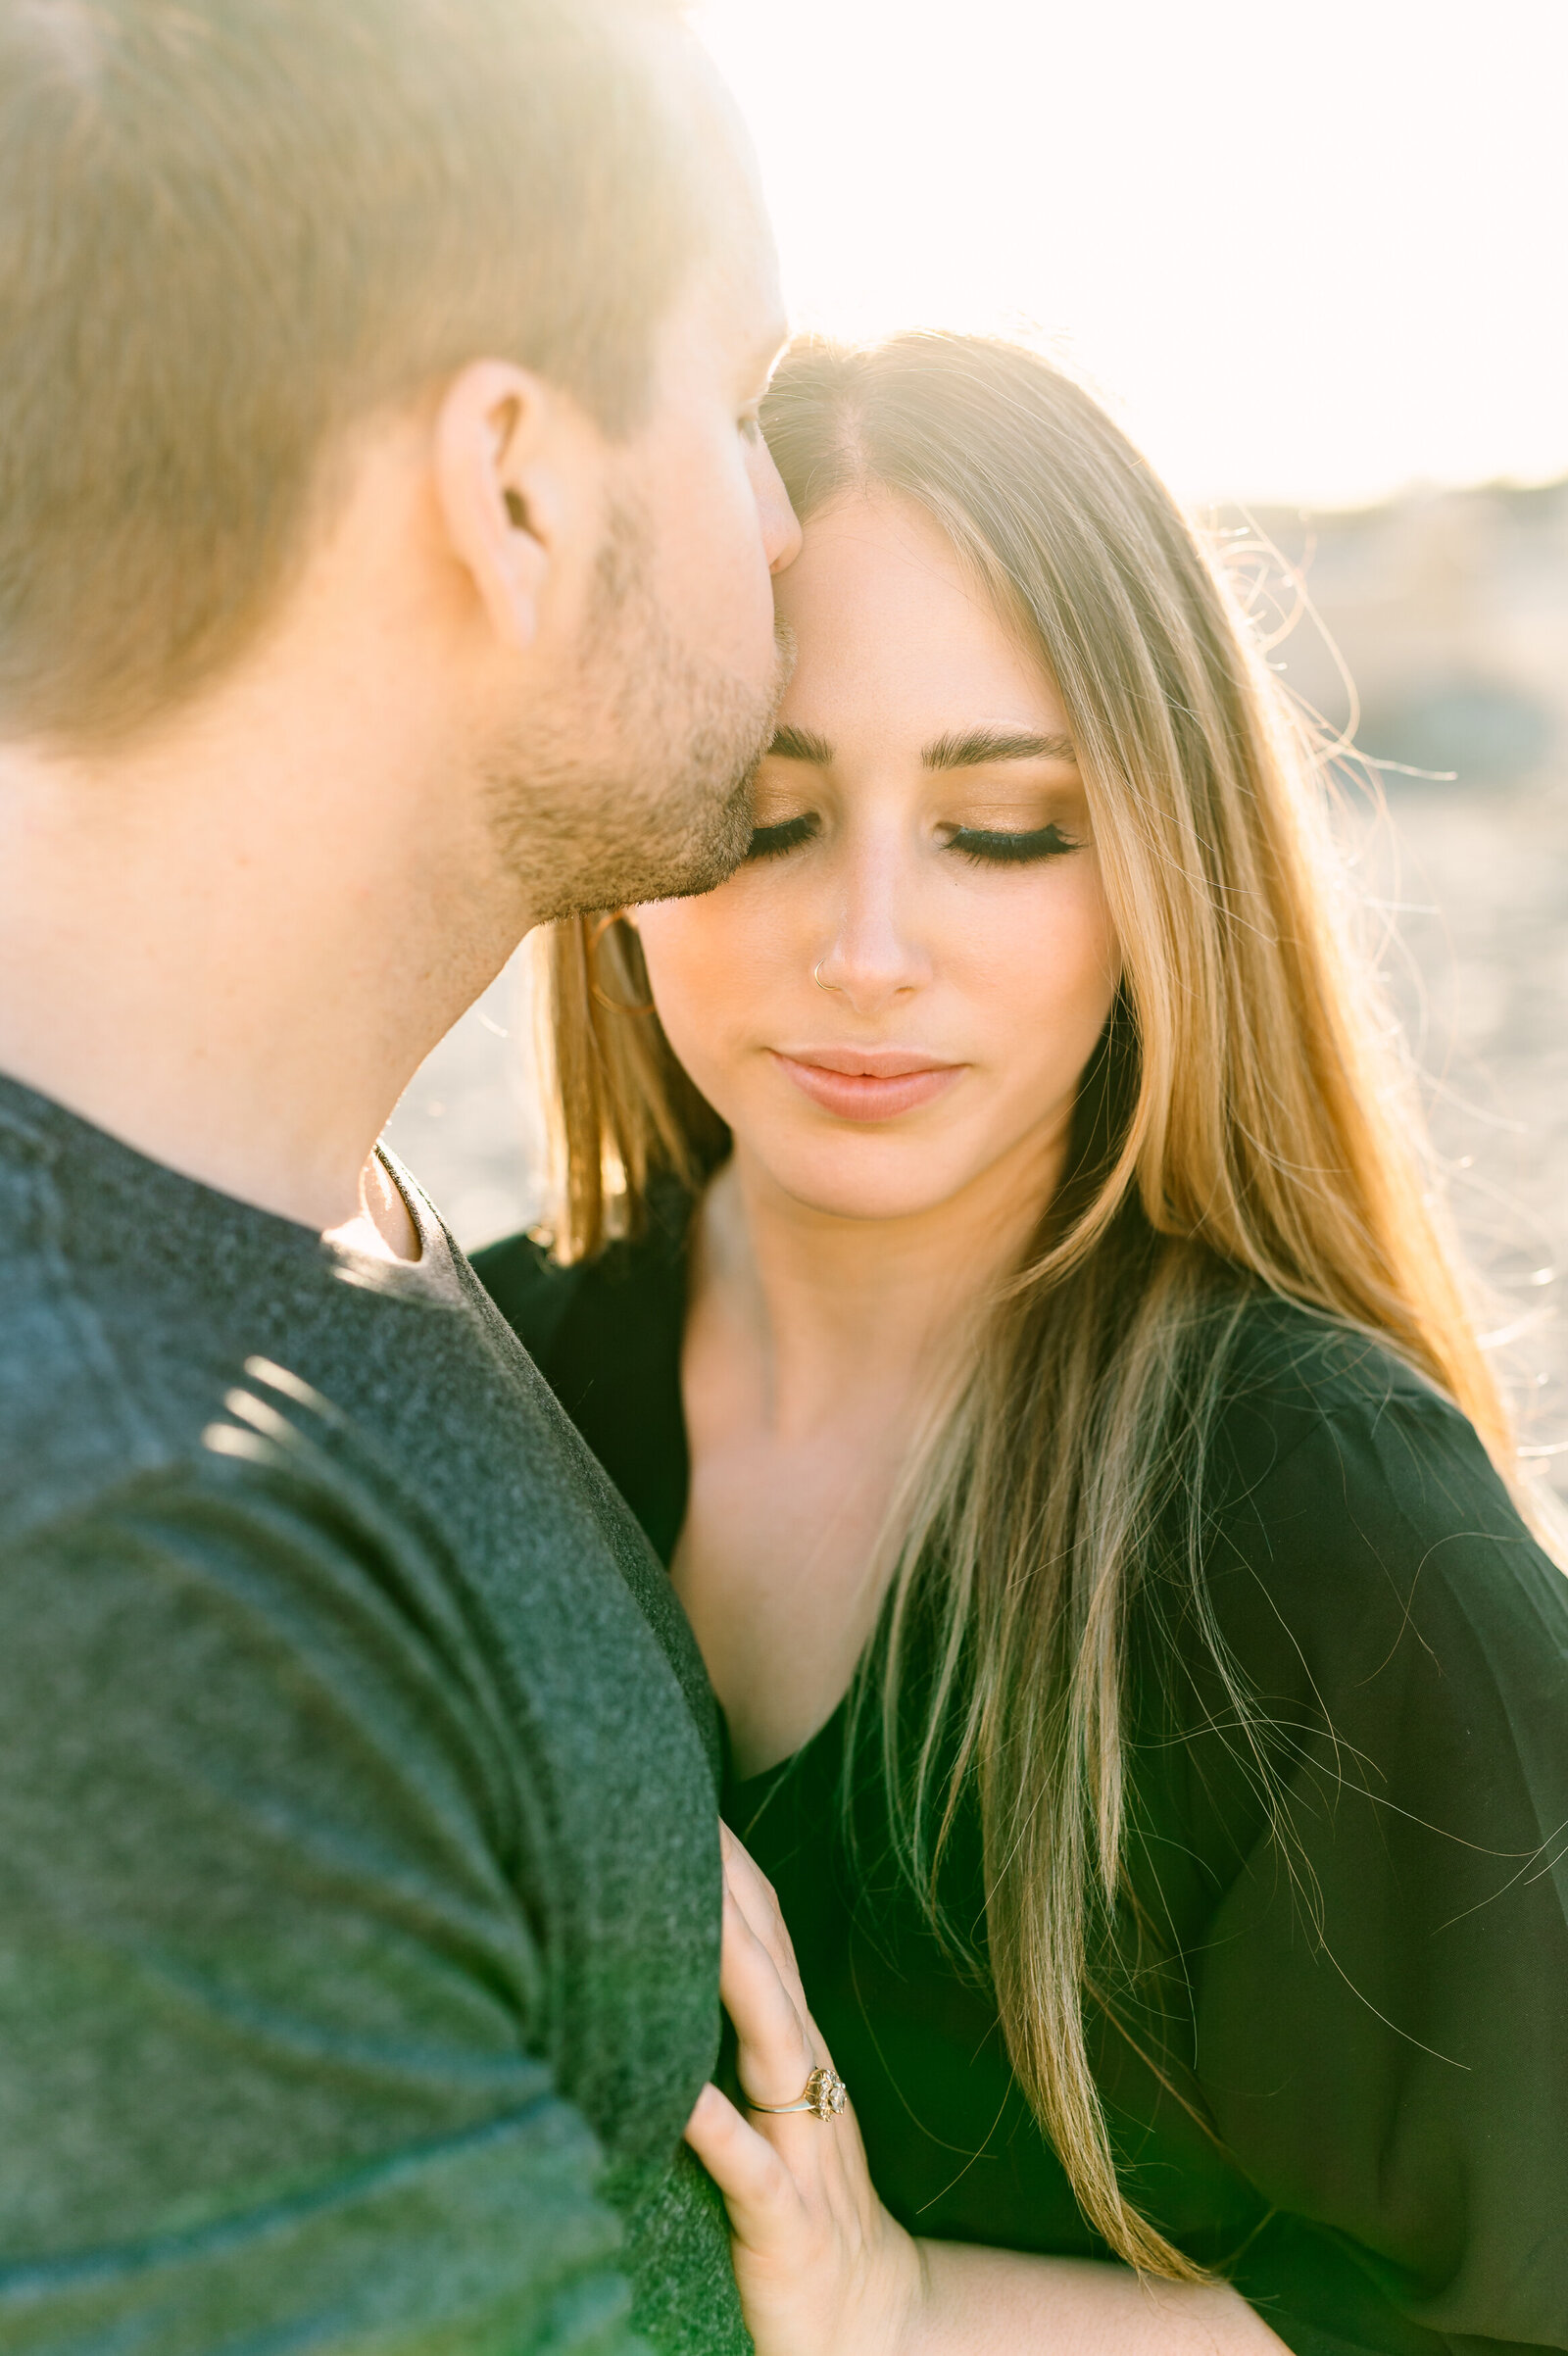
(893,1001)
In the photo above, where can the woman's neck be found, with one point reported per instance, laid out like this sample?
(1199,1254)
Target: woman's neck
(817,1349)
(855,1316)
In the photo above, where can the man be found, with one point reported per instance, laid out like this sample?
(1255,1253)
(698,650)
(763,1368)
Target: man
(384,551)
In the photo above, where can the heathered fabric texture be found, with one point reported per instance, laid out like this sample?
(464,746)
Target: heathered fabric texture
(359,1871)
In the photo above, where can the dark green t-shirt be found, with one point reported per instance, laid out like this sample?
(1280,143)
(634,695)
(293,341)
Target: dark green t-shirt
(1342,2076)
(358,1872)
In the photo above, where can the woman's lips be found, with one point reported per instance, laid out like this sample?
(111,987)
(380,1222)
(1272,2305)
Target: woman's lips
(871,1084)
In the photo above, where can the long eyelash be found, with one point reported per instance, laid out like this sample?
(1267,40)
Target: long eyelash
(772,842)
(989,848)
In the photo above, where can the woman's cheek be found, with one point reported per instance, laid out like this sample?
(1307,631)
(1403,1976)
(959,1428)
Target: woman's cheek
(1050,982)
(696,981)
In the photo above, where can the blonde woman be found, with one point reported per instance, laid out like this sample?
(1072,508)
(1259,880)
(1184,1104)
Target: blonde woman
(1031,1344)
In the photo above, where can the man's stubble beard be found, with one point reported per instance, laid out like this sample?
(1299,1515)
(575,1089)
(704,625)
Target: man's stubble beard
(638,785)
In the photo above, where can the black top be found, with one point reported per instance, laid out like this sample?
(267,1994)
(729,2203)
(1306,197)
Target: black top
(1356,2097)
(358,1872)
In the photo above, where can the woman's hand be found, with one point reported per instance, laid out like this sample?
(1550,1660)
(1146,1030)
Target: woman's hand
(823,2268)
(825,2271)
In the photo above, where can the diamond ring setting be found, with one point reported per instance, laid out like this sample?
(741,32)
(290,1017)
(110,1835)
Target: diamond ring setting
(825,2097)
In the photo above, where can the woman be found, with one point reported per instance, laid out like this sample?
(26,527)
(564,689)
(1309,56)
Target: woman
(1032,1347)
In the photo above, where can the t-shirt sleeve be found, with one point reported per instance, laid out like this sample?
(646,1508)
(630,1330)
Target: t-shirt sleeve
(1381,2001)
(272,1994)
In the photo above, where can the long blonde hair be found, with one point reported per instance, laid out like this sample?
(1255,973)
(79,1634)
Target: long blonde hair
(1244,1126)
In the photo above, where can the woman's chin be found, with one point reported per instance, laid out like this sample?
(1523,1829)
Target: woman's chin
(888,1182)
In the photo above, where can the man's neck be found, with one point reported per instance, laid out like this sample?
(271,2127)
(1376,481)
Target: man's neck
(209,949)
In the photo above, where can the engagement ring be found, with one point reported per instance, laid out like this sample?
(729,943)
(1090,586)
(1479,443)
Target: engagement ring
(824,2097)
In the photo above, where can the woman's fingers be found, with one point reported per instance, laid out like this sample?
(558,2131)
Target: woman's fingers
(757,1901)
(751,1890)
(750,1980)
(776,2055)
(755,2184)
(748,1889)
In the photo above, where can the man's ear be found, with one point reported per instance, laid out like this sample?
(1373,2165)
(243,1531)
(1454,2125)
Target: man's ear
(503,471)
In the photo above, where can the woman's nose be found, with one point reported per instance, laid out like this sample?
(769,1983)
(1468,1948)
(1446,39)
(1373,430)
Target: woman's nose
(873,957)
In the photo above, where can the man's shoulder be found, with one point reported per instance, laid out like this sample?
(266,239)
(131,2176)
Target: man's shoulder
(112,1397)
(71,1423)
(108,1388)
(277,1488)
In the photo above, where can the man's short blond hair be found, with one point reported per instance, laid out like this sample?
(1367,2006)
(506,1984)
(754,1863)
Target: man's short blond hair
(229,228)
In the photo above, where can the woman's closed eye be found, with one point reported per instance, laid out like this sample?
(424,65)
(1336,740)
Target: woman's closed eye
(772,842)
(986,846)
(1004,847)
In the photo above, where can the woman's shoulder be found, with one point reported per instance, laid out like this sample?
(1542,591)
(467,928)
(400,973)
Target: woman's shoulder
(1287,1358)
(1353,1521)
(1297,1382)
(553,1308)
(1357,1833)
(532,1290)
(605,1334)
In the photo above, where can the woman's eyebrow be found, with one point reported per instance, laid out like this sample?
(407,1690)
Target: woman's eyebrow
(970,750)
(977,746)
(800,744)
